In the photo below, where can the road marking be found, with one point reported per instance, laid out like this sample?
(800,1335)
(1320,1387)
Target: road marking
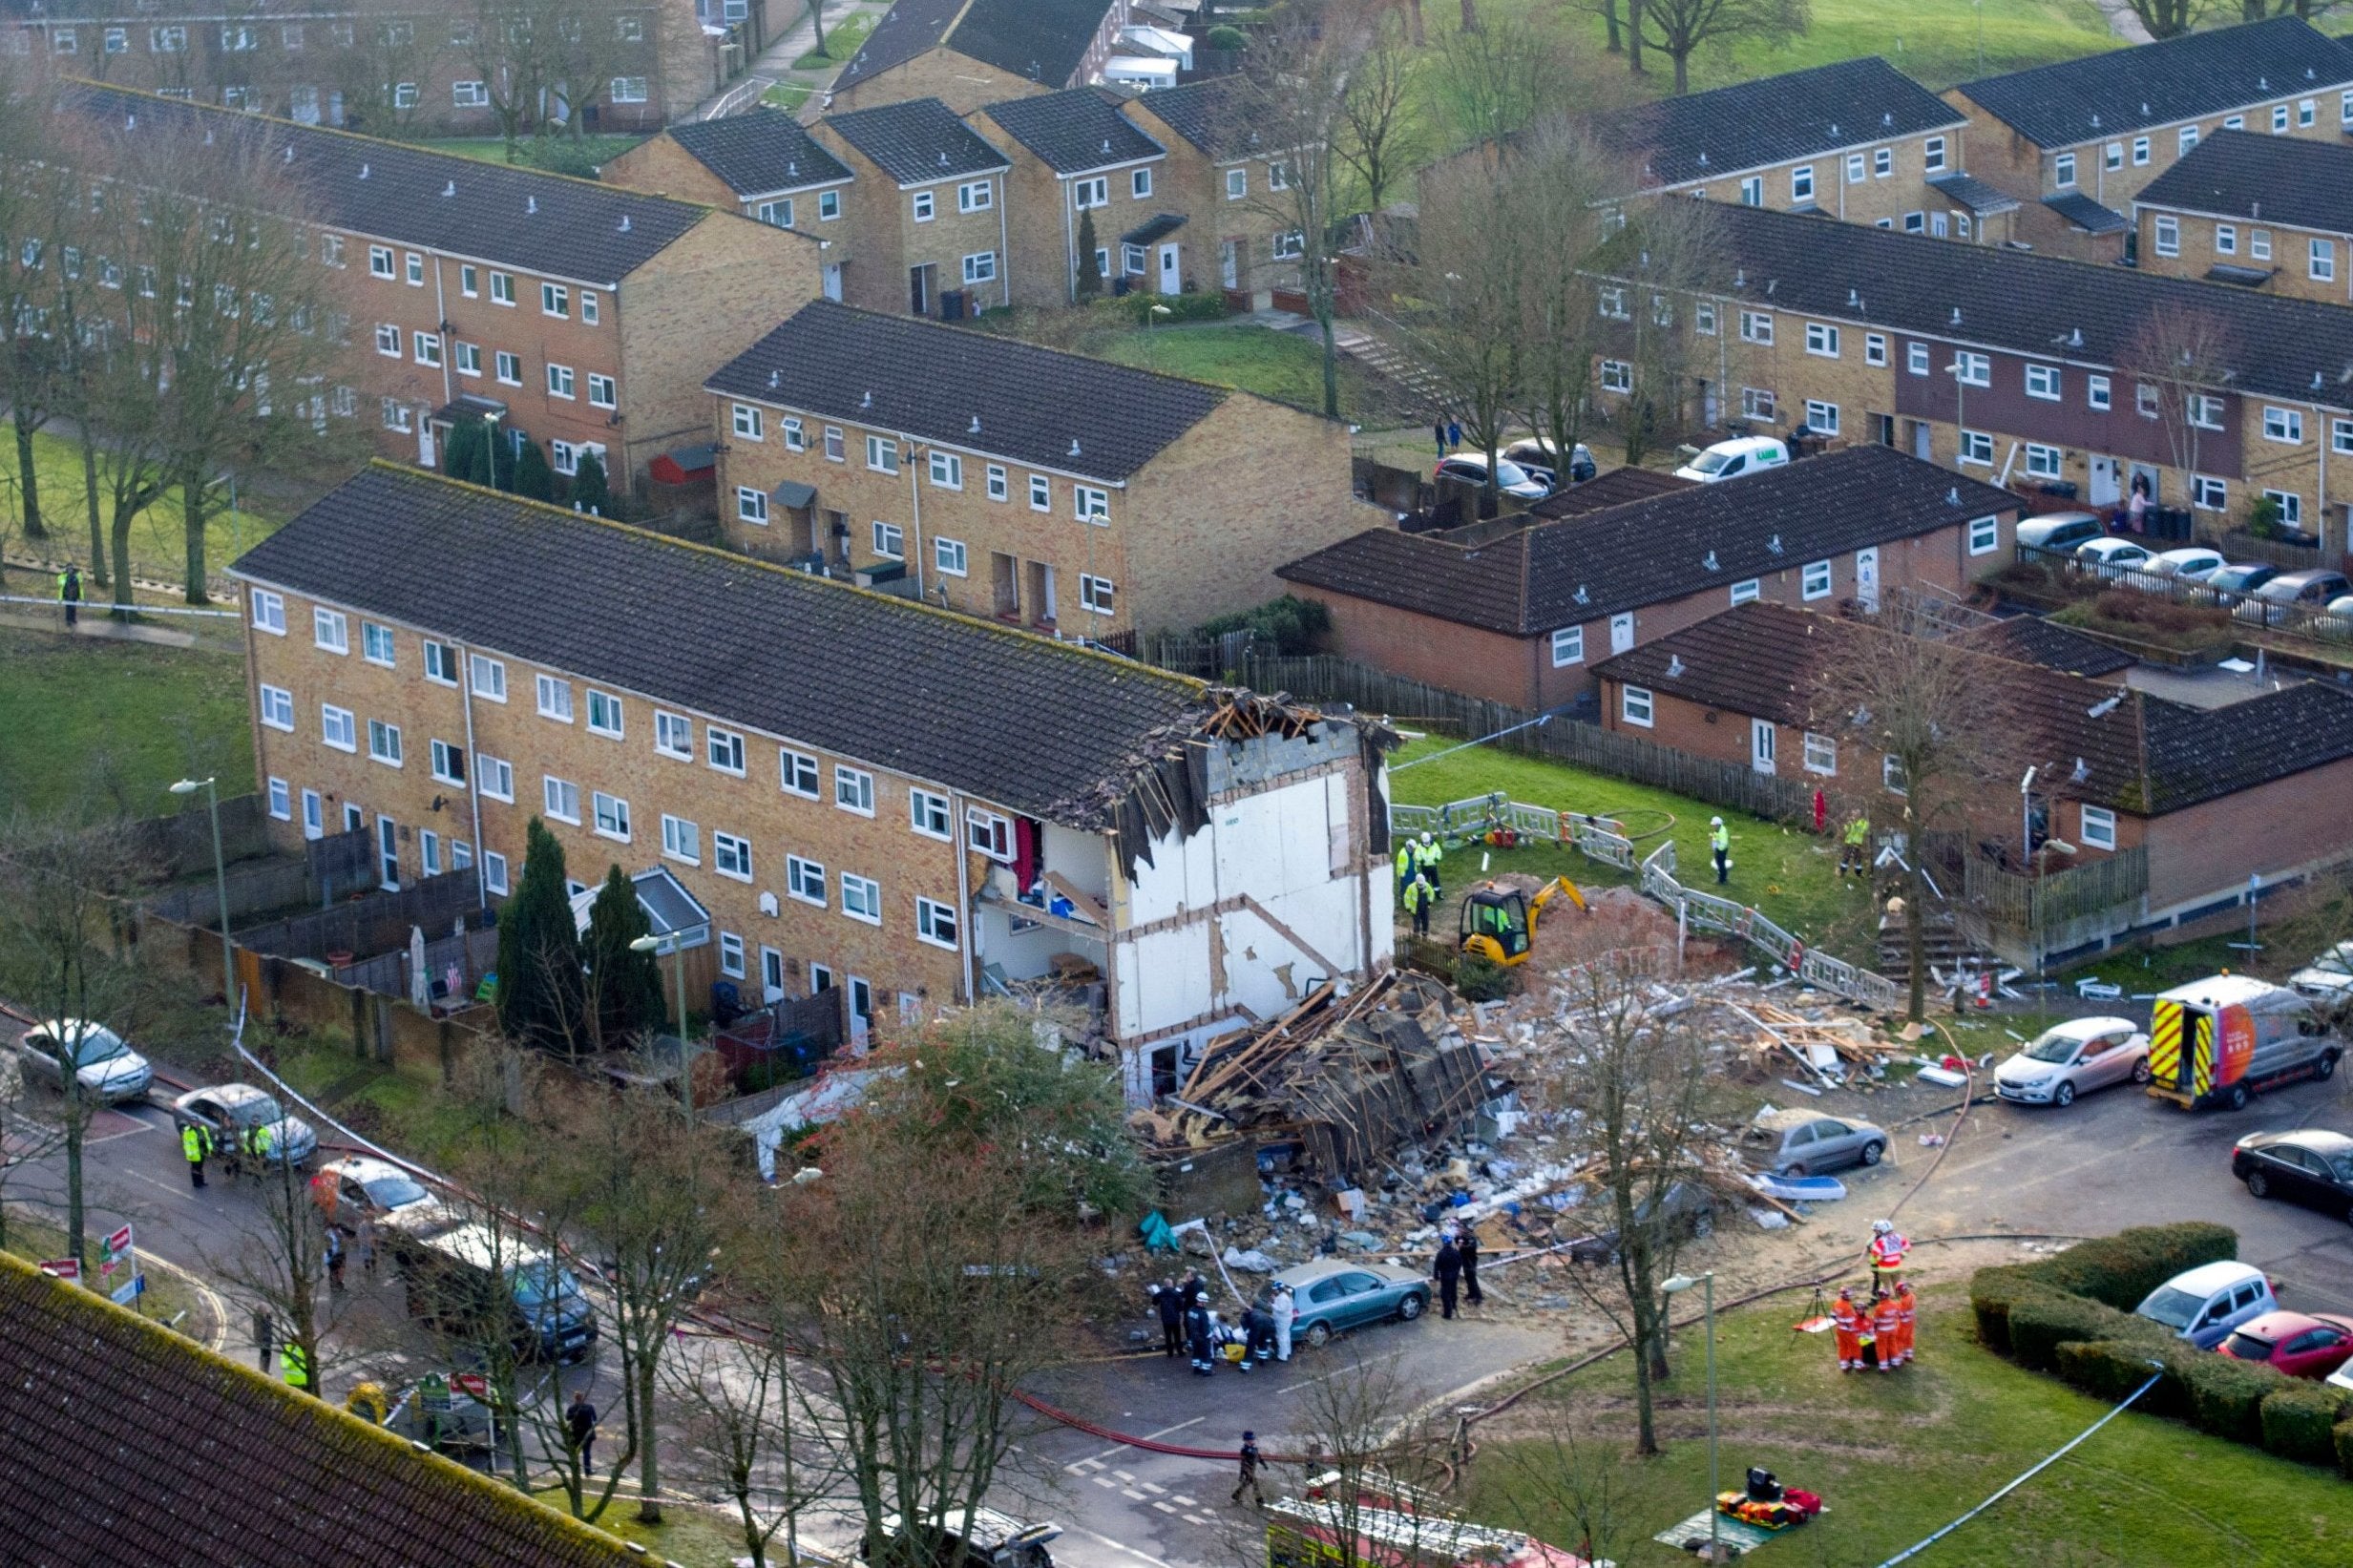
(1156,1491)
(1164,1508)
(1196,1519)
(1131,1492)
(1181,1498)
(1100,1454)
(1125,1475)
(186,1195)
(1084,1464)
(1103,1481)
(1122,1546)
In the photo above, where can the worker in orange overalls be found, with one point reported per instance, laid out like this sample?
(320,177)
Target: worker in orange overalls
(1887,1330)
(1905,1325)
(1846,1322)
(1889,1249)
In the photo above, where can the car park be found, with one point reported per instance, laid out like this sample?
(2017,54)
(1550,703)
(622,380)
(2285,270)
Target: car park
(1815,1146)
(230,1111)
(1734,458)
(2112,557)
(2060,530)
(2272,601)
(1332,1295)
(1539,454)
(2310,1165)
(1509,477)
(104,1065)
(360,1187)
(2069,1058)
(2299,1343)
(2203,1305)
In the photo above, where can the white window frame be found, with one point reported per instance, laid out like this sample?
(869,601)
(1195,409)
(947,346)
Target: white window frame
(793,767)
(2284,425)
(922,205)
(1932,155)
(988,833)
(853,790)
(611,721)
(447,763)
(1089,505)
(337,728)
(280,800)
(2042,383)
(731,856)
(2097,393)
(1822,339)
(1916,358)
(2226,238)
(2063,172)
(1568,646)
(1801,182)
(890,540)
(950,557)
(976,196)
(881,454)
(277,707)
(553,698)
(269,611)
(1757,326)
(936,924)
(1638,705)
(1040,492)
(1975,369)
(1985,535)
(681,839)
(611,815)
(1616,376)
(1816,580)
(1820,754)
(494,778)
(1875,348)
(947,470)
(723,750)
(1747,591)
(930,814)
(751,504)
(805,880)
(560,799)
(2320,260)
(2208,493)
(1976,450)
(1821,418)
(377,644)
(493,871)
(1000,488)
(2098,827)
(330,629)
(674,735)
(2167,235)
(2045,462)
(861,898)
(1097,595)
(731,955)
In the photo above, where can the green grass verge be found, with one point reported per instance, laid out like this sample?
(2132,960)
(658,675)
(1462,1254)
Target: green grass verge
(158,549)
(38,1241)
(1285,366)
(788,96)
(108,725)
(1790,875)
(690,1536)
(1897,1455)
(841,41)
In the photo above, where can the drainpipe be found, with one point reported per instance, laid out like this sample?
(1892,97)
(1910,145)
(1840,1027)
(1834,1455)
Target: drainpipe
(966,913)
(474,777)
(1004,250)
(1070,244)
(2323,435)
(449,342)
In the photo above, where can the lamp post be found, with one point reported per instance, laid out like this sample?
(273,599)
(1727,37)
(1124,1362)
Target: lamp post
(1675,1286)
(1151,351)
(678,969)
(2025,823)
(221,881)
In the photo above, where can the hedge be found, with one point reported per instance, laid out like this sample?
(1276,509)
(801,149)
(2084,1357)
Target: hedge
(2299,1422)
(2117,1270)
(2039,1323)
(2226,1396)
(2344,1445)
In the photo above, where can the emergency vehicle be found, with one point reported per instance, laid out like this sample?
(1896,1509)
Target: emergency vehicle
(2216,1041)
(1377,1523)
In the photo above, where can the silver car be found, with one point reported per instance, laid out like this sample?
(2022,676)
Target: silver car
(2328,979)
(1828,1143)
(2069,1058)
(106,1067)
(228,1111)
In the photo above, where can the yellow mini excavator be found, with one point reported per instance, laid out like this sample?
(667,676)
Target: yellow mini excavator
(1498,923)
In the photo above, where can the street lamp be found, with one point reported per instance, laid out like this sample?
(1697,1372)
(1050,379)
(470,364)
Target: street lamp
(2026,822)
(1675,1286)
(221,880)
(686,1059)
(1151,351)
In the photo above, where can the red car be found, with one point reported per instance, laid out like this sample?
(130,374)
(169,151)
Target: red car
(2300,1343)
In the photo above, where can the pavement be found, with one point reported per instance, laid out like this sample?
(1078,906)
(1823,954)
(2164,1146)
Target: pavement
(774,64)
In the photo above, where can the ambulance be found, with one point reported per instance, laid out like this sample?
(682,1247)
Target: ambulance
(2216,1041)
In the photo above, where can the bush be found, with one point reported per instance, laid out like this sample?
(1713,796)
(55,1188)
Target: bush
(2123,1268)
(561,156)
(1181,307)
(2110,1369)
(2299,1422)
(1292,624)
(2263,519)
(2226,1396)
(1222,36)
(2041,1321)
(1481,980)
(1992,1293)
(2344,1445)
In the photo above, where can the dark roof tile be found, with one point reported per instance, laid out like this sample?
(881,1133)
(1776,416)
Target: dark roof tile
(1773,119)
(918,143)
(1603,492)
(2031,639)
(1039,40)
(2188,77)
(1036,406)
(2236,173)
(1216,114)
(2087,214)
(759,154)
(1074,130)
(1028,722)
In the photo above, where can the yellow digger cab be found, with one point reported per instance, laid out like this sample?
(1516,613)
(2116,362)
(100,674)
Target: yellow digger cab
(1494,924)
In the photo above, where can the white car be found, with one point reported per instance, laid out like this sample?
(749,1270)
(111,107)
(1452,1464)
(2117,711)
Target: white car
(2329,978)
(2069,1058)
(2194,563)
(1730,459)
(2112,558)
(106,1068)
(1510,478)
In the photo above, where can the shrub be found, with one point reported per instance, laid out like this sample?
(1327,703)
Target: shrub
(2123,1268)
(2043,1321)
(2299,1422)
(1181,307)
(1992,1293)
(1224,37)
(1481,980)
(2344,1436)
(2263,519)
(2110,1369)
(2226,1396)
(1292,623)
(561,156)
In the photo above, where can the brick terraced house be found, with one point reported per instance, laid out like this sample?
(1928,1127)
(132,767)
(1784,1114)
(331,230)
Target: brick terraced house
(1078,160)
(583,317)
(1857,139)
(929,223)
(1521,613)
(2075,142)
(861,792)
(2274,213)
(2032,369)
(763,164)
(2210,793)
(1226,179)
(997,478)
(968,53)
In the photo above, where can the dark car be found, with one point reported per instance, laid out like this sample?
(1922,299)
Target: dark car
(2243,576)
(2299,1343)
(2307,1166)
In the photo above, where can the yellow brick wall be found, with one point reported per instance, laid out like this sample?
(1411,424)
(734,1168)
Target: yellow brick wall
(660,166)
(959,81)
(2288,259)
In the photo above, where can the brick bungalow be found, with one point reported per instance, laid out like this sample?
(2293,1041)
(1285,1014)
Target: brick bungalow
(1519,614)
(2211,794)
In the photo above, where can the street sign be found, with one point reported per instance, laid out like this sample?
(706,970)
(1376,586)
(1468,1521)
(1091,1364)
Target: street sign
(119,1242)
(63,1268)
(129,1290)
(473,1382)
(433,1393)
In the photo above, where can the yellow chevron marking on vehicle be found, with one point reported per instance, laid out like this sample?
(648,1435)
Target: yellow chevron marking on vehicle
(2202,1054)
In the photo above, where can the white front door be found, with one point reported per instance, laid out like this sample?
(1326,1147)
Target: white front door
(1171,275)
(387,851)
(861,1011)
(2106,488)
(1621,631)
(772,975)
(1230,263)
(425,439)
(302,105)
(1867,577)
(834,281)
(1761,744)
(314,816)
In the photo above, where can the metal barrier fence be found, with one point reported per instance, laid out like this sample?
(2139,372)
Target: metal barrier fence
(2252,612)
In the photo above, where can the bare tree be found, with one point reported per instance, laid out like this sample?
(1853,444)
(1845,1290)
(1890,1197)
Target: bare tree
(280,1265)
(1380,131)
(1662,258)
(1680,28)
(1567,185)
(384,55)
(1562,1478)
(1489,83)
(2185,359)
(2171,18)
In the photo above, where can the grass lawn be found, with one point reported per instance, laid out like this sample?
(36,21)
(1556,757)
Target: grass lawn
(688,1535)
(788,96)
(110,724)
(38,1241)
(841,41)
(158,549)
(1286,366)
(1792,876)
(1898,1455)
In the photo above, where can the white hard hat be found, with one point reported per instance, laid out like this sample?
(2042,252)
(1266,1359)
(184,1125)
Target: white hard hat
(1715,822)
(1882,1226)
(1425,835)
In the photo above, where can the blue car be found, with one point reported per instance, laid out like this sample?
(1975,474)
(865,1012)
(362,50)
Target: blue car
(1332,1295)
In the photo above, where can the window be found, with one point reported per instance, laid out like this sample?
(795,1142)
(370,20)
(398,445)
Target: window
(980,267)
(1090,193)
(881,454)
(923,206)
(1932,155)
(2095,392)
(723,750)
(2141,152)
(890,540)
(2226,238)
(629,89)
(2283,425)
(2063,170)
(612,816)
(2290,504)
(1612,302)
(555,699)
(2184,140)
(493,871)
(936,923)
(1289,247)
(862,898)
(1237,184)
(797,773)
(1090,505)
(674,735)
(281,801)
(1568,646)
(2041,462)
(2258,244)
(470,94)
(805,880)
(605,713)
(468,358)
(2278,117)
(1821,418)
(603,393)
(1976,447)
(2168,235)
(2043,382)
(1985,535)
(1278,177)
(337,728)
(751,504)
(1139,183)
(775,214)
(853,790)
(490,678)
(64,41)
(1801,182)
(828,205)
(405,96)
(1096,595)
(1855,175)
(996,486)
(1891,774)
(330,631)
(2344,108)
(502,289)
(2145,400)
(949,557)
(555,300)
(1756,402)
(278,707)
(1916,358)
(2340,435)
(946,470)
(748,423)
(448,763)
(2320,260)
(1703,318)
(560,798)
(1822,339)
(2209,494)
(428,346)
(977,196)
(1814,582)
(1757,326)
(927,814)
(1875,348)
(1040,492)
(415,268)
(731,954)
(731,856)
(1882,162)
(1753,191)
(380,260)
(1974,369)
(681,839)
(797,438)
(508,367)
(559,380)
(1634,706)
(387,340)
(395,413)
(2205,412)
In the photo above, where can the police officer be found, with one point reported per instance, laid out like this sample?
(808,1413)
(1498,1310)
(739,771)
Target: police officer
(69,594)
(257,1149)
(1406,864)
(1466,1242)
(1448,1270)
(1418,897)
(1721,845)
(1251,1462)
(195,1143)
(1171,1310)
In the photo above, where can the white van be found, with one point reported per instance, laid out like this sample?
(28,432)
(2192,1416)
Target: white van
(1730,459)
(2060,530)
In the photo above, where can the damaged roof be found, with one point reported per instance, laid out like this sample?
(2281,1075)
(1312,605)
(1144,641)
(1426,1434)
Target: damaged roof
(1044,727)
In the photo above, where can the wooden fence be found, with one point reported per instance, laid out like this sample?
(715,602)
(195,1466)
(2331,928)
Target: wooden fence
(329,868)
(2028,919)
(373,926)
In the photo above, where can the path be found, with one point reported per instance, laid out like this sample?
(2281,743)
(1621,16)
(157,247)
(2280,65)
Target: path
(93,622)
(2124,21)
(774,65)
